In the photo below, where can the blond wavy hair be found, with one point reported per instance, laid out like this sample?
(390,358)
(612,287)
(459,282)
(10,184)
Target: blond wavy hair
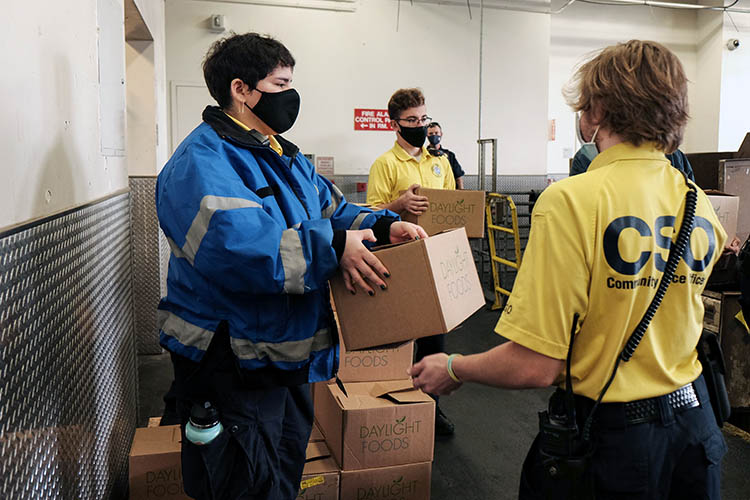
(641,89)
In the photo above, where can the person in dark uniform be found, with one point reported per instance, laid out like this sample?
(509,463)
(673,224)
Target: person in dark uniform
(583,157)
(435,136)
(596,254)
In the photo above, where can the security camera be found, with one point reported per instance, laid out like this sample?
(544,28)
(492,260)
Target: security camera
(733,44)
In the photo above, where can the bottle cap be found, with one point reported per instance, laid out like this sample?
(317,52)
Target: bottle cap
(204,415)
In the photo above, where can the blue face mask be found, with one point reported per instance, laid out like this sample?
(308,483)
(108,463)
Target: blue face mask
(588,149)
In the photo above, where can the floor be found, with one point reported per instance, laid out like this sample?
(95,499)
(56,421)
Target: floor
(494,428)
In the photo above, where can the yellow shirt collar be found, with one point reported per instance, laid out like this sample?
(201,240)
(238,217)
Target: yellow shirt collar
(272,142)
(402,155)
(627,151)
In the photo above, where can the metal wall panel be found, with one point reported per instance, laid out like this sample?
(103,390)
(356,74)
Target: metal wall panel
(67,355)
(147,264)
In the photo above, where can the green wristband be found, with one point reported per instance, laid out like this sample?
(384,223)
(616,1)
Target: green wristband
(451,373)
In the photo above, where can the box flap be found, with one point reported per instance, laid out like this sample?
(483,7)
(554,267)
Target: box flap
(315,434)
(316,451)
(366,395)
(716,192)
(156,440)
(379,389)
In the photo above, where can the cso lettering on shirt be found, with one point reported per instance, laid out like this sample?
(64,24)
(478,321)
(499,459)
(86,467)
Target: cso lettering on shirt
(623,242)
(598,246)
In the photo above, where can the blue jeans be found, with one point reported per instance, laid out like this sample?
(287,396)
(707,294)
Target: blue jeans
(675,457)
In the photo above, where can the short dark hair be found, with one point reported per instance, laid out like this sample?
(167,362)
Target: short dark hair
(250,57)
(435,124)
(402,100)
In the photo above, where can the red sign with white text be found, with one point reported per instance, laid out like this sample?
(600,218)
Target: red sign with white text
(371,119)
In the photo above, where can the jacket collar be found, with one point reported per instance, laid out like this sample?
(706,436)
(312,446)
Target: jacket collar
(227,129)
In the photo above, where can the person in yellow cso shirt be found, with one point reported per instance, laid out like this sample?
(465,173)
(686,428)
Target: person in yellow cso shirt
(405,167)
(408,164)
(596,253)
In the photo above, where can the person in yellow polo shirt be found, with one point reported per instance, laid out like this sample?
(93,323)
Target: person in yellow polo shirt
(596,253)
(402,169)
(408,164)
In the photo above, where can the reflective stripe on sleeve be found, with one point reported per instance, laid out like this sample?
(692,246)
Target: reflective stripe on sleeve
(186,333)
(291,351)
(359,220)
(199,226)
(336,197)
(293,261)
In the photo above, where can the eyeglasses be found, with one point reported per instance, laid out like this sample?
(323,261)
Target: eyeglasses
(414,121)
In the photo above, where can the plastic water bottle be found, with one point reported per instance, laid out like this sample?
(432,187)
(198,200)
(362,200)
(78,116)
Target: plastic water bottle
(204,425)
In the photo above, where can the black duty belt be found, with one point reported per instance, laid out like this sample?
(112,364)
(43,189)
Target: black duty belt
(647,410)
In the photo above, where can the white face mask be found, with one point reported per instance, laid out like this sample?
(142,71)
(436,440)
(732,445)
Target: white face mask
(589,149)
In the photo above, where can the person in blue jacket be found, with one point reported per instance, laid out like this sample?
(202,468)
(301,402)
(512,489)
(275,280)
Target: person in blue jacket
(588,151)
(255,233)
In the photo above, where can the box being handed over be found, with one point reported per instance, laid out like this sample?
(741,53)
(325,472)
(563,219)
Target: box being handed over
(433,287)
(377,424)
(450,209)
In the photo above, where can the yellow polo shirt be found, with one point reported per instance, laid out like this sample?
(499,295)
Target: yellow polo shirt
(272,142)
(395,170)
(598,245)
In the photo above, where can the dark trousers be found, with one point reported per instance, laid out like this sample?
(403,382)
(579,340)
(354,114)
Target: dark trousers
(261,452)
(433,344)
(675,457)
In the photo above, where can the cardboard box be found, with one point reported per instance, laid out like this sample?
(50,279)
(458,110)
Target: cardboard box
(320,477)
(377,424)
(727,208)
(155,467)
(433,287)
(315,434)
(403,482)
(375,364)
(450,209)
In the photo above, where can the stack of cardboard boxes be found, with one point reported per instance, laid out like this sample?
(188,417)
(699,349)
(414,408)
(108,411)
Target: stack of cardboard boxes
(379,429)
(374,433)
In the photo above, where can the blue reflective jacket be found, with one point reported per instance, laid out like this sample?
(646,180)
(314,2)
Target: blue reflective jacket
(254,237)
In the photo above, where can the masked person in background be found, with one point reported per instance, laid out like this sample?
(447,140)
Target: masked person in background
(588,151)
(405,167)
(435,137)
(255,234)
(597,251)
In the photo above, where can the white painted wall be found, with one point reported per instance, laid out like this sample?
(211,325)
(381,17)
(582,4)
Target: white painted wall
(154,13)
(583,29)
(141,108)
(357,60)
(705,110)
(734,117)
(50,126)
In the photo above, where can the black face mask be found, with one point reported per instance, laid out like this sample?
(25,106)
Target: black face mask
(434,139)
(414,135)
(278,110)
